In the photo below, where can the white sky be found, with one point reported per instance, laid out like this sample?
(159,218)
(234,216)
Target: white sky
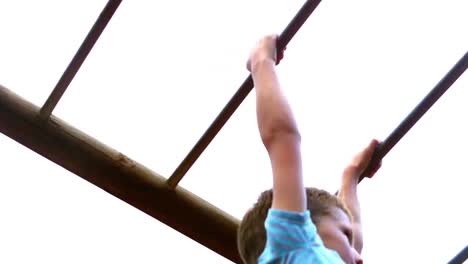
(162,71)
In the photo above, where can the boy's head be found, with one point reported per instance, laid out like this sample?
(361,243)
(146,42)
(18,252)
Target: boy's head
(328,213)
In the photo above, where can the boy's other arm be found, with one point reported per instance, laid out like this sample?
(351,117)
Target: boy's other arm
(348,192)
(348,195)
(278,129)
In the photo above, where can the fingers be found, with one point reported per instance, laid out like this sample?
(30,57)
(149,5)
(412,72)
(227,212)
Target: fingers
(265,49)
(374,143)
(371,147)
(369,152)
(280,55)
(279,52)
(375,170)
(269,45)
(362,159)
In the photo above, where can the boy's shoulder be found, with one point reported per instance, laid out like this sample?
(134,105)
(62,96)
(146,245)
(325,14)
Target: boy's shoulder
(293,236)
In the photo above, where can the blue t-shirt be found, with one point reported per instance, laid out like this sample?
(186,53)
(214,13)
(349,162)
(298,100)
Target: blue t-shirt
(292,238)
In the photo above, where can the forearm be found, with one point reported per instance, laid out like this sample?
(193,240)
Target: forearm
(274,115)
(349,196)
(348,192)
(281,138)
(358,239)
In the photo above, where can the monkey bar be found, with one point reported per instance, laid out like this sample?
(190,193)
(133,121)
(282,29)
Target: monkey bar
(37,129)
(239,96)
(460,257)
(117,174)
(79,57)
(444,84)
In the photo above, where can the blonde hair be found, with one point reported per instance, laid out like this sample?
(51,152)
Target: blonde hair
(251,234)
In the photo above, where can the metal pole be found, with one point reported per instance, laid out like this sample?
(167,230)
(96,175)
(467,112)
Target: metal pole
(413,117)
(288,33)
(460,257)
(79,58)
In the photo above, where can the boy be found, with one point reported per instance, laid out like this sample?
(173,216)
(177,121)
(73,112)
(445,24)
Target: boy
(302,225)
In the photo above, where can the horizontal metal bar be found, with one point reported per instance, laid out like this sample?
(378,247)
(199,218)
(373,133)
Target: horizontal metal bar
(288,33)
(79,58)
(118,175)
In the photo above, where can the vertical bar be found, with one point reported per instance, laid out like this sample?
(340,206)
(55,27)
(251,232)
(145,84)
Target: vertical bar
(288,33)
(79,58)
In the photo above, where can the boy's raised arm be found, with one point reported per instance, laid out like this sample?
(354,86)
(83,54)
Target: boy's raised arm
(278,129)
(348,191)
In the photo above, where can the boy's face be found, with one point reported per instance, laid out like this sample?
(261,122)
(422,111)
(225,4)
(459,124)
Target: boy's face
(336,233)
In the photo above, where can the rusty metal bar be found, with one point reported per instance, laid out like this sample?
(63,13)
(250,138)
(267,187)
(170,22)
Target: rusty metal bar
(118,175)
(288,33)
(444,84)
(79,58)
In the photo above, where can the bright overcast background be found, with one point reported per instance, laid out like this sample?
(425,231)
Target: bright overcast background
(162,71)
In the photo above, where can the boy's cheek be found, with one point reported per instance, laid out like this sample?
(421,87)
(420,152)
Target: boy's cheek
(341,246)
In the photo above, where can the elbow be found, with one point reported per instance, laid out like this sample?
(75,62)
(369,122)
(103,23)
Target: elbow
(274,135)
